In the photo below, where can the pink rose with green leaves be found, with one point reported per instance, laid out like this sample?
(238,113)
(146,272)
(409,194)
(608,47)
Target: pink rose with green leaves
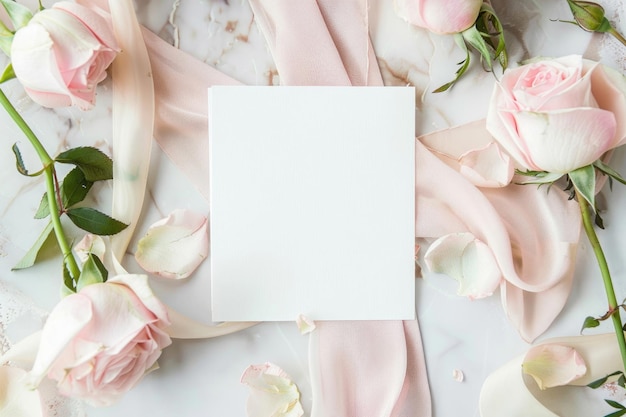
(100,342)
(440,16)
(62,54)
(558,115)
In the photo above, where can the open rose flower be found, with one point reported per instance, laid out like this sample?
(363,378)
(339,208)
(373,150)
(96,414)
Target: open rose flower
(558,115)
(440,16)
(97,344)
(62,54)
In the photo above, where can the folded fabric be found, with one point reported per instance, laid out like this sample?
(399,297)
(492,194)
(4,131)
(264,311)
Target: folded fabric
(506,392)
(533,232)
(312,44)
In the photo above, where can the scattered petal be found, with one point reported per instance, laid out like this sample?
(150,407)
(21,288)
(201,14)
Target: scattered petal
(90,244)
(175,246)
(466,259)
(457,375)
(553,365)
(304,324)
(272,394)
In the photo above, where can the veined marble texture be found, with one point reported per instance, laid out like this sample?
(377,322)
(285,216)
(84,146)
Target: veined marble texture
(201,377)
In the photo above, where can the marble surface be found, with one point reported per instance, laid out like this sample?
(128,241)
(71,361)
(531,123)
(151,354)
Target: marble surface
(198,378)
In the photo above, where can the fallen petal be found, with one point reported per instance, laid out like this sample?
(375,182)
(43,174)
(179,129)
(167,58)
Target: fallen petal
(553,365)
(272,393)
(467,260)
(304,324)
(175,246)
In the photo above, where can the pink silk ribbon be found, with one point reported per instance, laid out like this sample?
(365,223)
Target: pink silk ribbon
(364,369)
(532,233)
(358,369)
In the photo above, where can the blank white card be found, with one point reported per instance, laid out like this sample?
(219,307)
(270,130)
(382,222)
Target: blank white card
(312,203)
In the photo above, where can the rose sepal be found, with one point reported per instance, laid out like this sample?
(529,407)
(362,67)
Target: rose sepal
(540,177)
(19,14)
(584,181)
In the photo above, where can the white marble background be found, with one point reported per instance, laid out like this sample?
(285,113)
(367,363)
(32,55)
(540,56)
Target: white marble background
(201,378)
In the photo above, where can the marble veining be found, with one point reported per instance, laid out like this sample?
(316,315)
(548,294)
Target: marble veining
(472,338)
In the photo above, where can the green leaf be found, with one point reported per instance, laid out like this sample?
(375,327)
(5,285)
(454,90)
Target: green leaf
(615,404)
(93,221)
(74,188)
(19,14)
(584,180)
(94,163)
(31,256)
(93,272)
(68,287)
(619,413)
(621,381)
(599,382)
(43,210)
(589,323)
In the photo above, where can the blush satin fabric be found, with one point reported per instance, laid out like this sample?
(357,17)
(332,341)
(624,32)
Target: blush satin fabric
(358,369)
(375,369)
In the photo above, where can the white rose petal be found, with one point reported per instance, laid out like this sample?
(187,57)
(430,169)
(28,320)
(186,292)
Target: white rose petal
(272,393)
(175,246)
(553,365)
(304,324)
(467,260)
(16,399)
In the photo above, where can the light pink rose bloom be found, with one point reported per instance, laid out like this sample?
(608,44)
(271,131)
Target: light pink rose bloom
(62,54)
(97,344)
(440,16)
(558,115)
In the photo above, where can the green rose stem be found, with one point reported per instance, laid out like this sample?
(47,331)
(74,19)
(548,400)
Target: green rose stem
(49,173)
(606,275)
(617,36)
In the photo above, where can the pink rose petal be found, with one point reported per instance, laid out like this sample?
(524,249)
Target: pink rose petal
(553,365)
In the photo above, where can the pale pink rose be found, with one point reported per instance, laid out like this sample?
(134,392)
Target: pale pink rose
(558,115)
(440,16)
(62,54)
(175,246)
(99,343)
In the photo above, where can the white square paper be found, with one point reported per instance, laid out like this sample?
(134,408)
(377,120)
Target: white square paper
(312,203)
